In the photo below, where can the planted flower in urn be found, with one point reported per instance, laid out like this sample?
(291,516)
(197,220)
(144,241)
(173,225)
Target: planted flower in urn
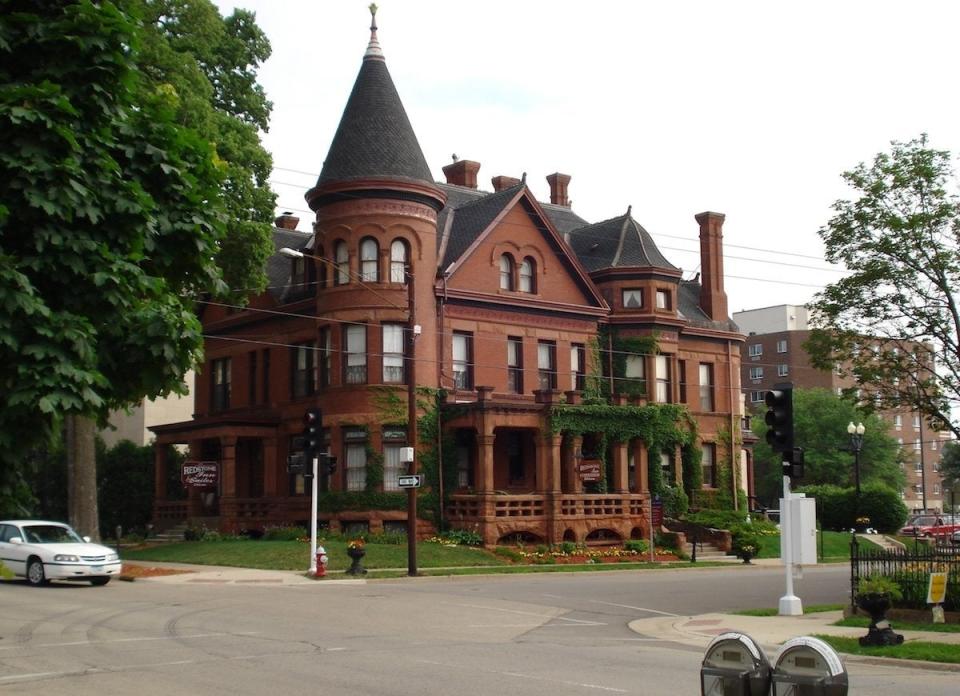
(748,551)
(356,551)
(862,523)
(355,544)
(875,595)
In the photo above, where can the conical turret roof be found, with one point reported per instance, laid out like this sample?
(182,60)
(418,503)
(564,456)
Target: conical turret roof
(374,138)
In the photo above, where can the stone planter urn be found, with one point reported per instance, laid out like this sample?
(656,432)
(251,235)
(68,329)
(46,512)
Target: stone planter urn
(880,631)
(746,556)
(356,556)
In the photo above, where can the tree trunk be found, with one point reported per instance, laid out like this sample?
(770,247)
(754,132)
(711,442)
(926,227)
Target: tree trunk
(82,508)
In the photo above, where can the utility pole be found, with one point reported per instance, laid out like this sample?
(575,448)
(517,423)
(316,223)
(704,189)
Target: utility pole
(412,331)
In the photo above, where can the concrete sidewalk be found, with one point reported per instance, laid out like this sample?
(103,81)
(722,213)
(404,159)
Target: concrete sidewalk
(225,575)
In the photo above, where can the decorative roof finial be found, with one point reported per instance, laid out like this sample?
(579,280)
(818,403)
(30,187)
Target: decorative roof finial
(373,48)
(523,178)
(629,208)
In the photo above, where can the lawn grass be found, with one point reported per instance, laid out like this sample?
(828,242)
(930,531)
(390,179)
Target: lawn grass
(836,546)
(295,555)
(864,622)
(913,650)
(812,609)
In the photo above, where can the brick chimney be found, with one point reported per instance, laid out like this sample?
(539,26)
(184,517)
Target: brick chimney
(503,182)
(462,173)
(287,221)
(713,298)
(558,188)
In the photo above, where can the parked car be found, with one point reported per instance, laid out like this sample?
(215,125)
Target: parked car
(40,551)
(931,526)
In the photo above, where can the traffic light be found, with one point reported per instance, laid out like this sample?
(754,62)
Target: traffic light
(793,463)
(329,461)
(312,423)
(779,418)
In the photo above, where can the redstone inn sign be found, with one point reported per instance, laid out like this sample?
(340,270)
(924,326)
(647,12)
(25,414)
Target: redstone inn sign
(199,474)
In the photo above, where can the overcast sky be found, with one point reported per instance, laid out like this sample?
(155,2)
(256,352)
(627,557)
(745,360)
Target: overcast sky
(752,109)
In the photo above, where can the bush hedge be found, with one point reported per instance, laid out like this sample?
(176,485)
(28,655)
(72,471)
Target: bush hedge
(837,507)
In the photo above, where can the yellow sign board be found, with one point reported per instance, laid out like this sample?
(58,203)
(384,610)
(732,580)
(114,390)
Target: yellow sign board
(937,590)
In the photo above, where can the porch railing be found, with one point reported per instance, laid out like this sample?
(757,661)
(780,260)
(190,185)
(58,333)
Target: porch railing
(533,505)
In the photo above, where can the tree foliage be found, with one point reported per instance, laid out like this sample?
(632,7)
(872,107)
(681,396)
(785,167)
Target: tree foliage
(950,466)
(110,221)
(893,323)
(820,426)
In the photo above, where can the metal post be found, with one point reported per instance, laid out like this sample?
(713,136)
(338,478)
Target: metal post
(790,604)
(313,517)
(412,425)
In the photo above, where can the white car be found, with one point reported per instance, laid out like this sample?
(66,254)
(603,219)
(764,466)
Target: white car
(41,551)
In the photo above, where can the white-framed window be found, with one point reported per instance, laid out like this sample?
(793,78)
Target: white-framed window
(527,275)
(515,364)
(708,464)
(663,299)
(398,261)
(547,364)
(898,421)
(220,379)
(632,298)
(578,366)
(936,489)
(917,445)
(756,397)
(662,364)
(706,387)
(369,260)
(462,360)
(394,439)
(341,259)
(782,346)
(754,350)
(634,368)
(506,272)
(933,444)
(355,347)
(302,370)
(393,353)
(756,373)
(355,449)
(783,370)
(916,422)
(666,466)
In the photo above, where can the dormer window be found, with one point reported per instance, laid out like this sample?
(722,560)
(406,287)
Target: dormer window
(369,260)
(527,282)
(506,272)
(663,299)
(632,298)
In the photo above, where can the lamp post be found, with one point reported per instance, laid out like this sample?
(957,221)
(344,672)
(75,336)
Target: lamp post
(856,446)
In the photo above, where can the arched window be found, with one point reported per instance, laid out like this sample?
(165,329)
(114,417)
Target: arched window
(369,260)
(341,258)
(398,261)
(527,273)
(506,272)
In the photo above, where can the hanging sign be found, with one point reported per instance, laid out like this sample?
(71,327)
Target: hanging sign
(589,470)
(199,474)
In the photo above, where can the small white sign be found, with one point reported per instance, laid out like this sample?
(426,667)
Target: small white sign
(410,481)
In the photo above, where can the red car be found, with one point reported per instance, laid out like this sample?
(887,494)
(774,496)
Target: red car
(930,526)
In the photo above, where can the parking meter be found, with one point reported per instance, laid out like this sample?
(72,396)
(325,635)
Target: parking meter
(734,665)
(809,667)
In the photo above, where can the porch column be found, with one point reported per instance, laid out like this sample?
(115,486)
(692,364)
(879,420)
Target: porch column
(228,466)
(576,482)
(160,472)
(640,460)
(619,483)
(677,468)
(271,471)
(548,462)
(484,477)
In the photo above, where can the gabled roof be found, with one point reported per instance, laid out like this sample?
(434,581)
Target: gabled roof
(619,242)
(471,219)
(279,266)
(374,138)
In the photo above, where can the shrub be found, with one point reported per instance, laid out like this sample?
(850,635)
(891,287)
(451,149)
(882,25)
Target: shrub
(284,533)
(883,506)
(509,554)
(464,537)
(746,535)
(194,531)
(568,547)
(835,506)
(838,510)
(675,501)
(636,545)
(718,519)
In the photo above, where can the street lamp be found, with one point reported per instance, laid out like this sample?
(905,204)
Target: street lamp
(856,445)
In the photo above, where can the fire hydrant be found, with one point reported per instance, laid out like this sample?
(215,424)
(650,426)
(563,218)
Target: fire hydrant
(321,562)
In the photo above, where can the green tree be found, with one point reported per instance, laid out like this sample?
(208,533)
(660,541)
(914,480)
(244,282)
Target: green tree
(111,219)
(208,65)
(893,323)
(950,470)
(820,427)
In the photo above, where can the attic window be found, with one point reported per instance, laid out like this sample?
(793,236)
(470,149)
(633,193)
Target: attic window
(632,298)
(663,299)
(506,272)
(527,274)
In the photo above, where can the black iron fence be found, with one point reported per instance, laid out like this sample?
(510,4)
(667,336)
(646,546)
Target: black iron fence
(910,569)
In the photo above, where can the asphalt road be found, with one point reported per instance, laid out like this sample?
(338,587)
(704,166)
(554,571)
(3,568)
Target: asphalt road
(558,634)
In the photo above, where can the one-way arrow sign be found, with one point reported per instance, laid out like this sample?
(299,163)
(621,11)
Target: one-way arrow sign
(410,481)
